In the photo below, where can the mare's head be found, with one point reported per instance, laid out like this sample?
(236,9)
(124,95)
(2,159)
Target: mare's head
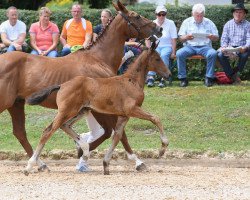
(155,63)
(137,26)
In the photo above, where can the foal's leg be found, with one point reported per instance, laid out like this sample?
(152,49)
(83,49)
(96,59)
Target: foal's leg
(121,123)
(108,122)
(139,113)
(48,132)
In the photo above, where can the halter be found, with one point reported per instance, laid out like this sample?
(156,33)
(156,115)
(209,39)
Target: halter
(138,29)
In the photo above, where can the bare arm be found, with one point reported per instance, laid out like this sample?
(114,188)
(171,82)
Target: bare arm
(5,39)
(94,36)
(55,38)
(173,41)
(185,38)
(88,39)
(63,40)
(33,43)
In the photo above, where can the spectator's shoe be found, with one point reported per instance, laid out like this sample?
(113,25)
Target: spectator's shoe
(162,83)
(83,168)
(209,82)
(150,82)
(184,82)
(235,78)
(128,55)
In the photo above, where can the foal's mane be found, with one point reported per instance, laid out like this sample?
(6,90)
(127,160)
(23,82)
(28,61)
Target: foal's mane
(137,61)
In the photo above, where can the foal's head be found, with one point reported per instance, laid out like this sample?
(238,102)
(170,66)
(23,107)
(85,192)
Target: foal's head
(155,63)
(138,26)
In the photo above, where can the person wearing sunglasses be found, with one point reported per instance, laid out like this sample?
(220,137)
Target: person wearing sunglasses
(167,43)
(197,34)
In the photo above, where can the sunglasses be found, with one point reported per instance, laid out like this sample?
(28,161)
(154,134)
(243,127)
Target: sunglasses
(161,14)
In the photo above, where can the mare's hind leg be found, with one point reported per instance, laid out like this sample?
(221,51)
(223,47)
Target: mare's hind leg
(139,113)
(121,123)
(18,122)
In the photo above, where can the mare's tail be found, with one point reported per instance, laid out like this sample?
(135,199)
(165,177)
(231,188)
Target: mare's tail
(38,97)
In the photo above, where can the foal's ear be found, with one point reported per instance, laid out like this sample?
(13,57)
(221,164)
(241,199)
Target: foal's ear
(122,8)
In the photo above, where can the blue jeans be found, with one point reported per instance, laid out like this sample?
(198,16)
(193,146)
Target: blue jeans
(12,48)
(165,53)
(224,61)
(51,54)
(124,66)
(65,51)
(208,52)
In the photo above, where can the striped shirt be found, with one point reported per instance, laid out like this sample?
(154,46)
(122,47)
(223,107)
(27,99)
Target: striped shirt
(189,26)
(236,34)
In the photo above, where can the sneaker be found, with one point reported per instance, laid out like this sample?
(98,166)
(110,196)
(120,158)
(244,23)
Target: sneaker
(184,82)
(83,168)
(150,82)
(128,55)
(162,83)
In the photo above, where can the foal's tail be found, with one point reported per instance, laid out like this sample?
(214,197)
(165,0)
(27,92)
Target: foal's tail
(38,97)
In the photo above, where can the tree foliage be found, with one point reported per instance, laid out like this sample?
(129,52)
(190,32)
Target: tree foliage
(27,4)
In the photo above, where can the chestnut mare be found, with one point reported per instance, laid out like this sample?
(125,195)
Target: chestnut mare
(119,95)
(22,74)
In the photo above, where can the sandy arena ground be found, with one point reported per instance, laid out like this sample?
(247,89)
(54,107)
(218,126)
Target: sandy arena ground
(164,179)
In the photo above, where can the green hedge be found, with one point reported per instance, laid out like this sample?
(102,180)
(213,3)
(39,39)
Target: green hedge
(218,14)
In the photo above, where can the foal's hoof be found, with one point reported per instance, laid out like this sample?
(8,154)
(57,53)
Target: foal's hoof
(161,152)
(26,173)
(106,172)
(141,167)
(43,168)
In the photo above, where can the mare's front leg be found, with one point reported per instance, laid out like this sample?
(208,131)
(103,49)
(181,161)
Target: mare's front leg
(139,113)
(121,123)
(18,123)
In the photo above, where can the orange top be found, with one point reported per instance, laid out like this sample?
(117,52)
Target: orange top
(75,32)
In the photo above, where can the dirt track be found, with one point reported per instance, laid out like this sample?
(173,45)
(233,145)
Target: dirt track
(164,179)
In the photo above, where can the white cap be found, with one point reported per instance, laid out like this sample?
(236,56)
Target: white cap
(160,9)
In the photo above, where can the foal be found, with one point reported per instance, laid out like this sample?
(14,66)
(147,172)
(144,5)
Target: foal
(119,95)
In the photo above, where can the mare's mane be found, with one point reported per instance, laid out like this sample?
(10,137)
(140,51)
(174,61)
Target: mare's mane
(100,35)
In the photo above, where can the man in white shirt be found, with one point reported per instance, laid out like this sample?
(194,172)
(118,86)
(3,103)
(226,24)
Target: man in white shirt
(13,31)
(167,43)
(197,34)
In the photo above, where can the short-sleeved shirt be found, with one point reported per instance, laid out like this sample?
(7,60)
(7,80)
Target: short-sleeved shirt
(236,34)
(13,32)
(189,26)
(169,32)
(44,37)
(75,33)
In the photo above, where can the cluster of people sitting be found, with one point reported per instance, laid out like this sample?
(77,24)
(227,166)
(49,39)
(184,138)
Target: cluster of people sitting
(196,33)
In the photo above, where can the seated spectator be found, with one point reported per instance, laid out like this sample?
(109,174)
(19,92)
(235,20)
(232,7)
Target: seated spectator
(13,31)
(44,35)
(167,45)
(197,34)
(76,31)
(106,15)
(236,33)
(132,48)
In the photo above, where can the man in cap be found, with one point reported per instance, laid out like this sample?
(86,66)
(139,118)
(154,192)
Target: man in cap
(197,34)
(236,34)
(167,43)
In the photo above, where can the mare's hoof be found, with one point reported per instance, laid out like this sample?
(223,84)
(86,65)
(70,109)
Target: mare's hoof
(141,167)
(43,168)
